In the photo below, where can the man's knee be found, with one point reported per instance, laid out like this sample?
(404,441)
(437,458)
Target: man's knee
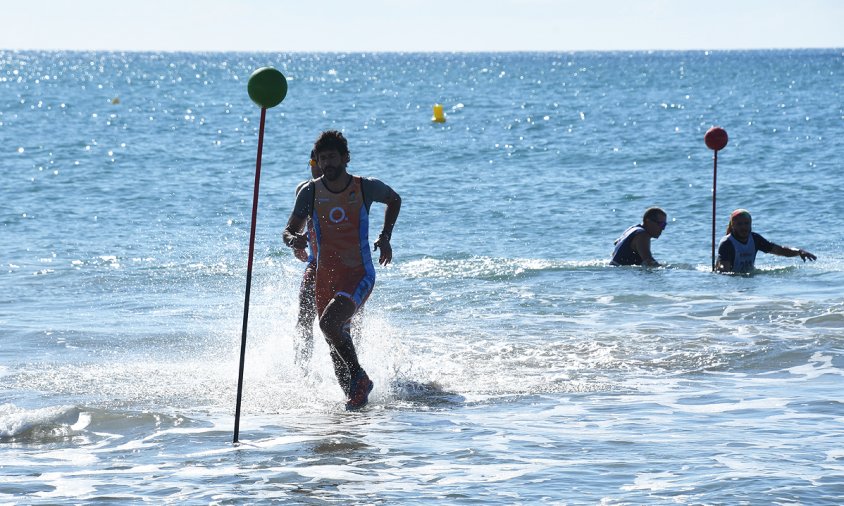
(336,314)
(327,325)
(331,323)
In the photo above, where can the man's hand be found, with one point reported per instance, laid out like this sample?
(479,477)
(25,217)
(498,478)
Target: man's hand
(295,241)
(806,255)
(386,250)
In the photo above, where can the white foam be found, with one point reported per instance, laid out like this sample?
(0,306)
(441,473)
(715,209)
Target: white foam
(333,472)
(818,366)
(725,407)
(15,421)
(64,488)
(654,482)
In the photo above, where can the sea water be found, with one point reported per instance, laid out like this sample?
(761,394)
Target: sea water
(512,364)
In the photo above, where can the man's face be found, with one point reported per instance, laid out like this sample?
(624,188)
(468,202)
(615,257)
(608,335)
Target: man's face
(655,225)
(332,164)
(741,226)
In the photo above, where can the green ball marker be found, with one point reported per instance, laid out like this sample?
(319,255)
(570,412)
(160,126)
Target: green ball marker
(267,87)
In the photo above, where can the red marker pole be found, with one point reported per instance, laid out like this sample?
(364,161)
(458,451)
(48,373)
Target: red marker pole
(715,139)
(267,87)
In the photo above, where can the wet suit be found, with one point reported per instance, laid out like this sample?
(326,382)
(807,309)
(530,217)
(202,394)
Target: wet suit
(742,255)
(343,262)
(623,253)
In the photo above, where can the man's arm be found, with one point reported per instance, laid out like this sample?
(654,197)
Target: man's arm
(787,251)
(292,235)
(726,255)
(391,214)
(642,246)
(301,253)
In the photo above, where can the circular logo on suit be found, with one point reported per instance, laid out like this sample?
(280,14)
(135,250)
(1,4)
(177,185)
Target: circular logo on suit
(337,214)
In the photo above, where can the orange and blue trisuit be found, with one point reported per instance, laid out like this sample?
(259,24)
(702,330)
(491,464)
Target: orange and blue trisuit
(341,245)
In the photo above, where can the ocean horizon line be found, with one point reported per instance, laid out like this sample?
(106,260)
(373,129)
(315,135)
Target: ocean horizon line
(410,52)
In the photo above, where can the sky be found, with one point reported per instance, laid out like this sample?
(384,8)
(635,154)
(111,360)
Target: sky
(420,25)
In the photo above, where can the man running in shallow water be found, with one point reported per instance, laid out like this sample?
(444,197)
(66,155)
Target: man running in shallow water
(304,342)
(338,204)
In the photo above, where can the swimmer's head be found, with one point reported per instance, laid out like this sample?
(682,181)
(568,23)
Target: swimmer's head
(654,220)
(739,212)
(740,224)
(332,154)
(331,139)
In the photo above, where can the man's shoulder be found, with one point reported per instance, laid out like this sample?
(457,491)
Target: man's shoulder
(303,184)
(304,198)
(639,234)
(636,230)
(629,233)
(369,180)
(758,240)
(761,243)
(375,188)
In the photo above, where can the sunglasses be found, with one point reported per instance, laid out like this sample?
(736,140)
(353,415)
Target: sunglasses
(662,224)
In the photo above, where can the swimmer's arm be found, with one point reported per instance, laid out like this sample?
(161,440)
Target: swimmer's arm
(292,235)
(642,246)
(391,214)
(726,255)
(787,251)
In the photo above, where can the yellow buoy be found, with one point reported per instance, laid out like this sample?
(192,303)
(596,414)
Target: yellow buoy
(439,115)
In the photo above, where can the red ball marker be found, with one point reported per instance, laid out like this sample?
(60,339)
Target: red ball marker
(715,138)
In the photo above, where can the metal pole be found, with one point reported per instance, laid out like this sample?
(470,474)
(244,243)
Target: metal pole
(249,274)
(714,189)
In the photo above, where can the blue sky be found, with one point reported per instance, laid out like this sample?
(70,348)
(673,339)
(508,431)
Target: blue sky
(420,25)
